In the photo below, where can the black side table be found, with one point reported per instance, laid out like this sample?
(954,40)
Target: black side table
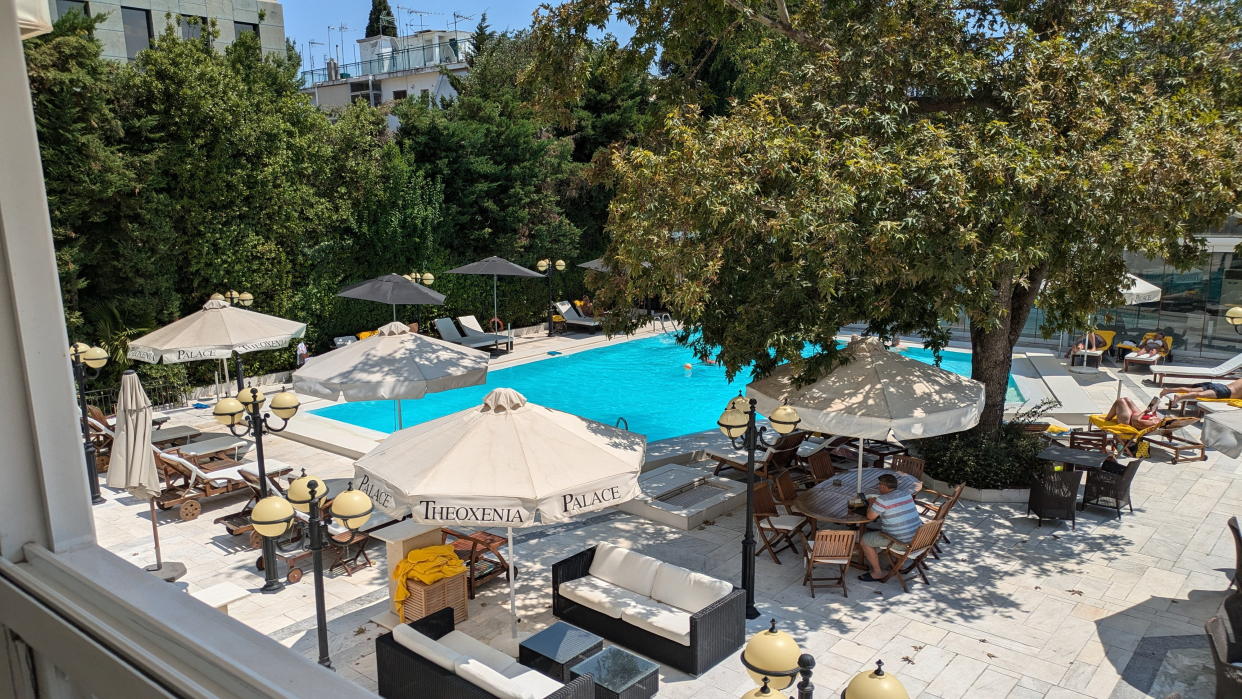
(619,674)
(553,650)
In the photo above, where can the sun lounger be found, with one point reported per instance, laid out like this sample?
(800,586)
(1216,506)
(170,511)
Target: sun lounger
(448,332)
(167,435)
(186,483)
(573,317)
(1133,357)
(214,449)
(470,325)
(1224,370)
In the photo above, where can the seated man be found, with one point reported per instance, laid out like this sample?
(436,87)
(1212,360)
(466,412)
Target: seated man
(1127,411)
(1209,389)
(899,521)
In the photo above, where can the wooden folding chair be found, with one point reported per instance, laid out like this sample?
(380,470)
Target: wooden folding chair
(939,509)
(821,466)
(830,547)
(786,492)
(481,553)
(911,465)
(914,553)
(773,527)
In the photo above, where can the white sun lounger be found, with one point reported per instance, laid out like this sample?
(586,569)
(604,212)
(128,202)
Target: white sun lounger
(473,330)
(448,333)
(1223,370)
(573,317)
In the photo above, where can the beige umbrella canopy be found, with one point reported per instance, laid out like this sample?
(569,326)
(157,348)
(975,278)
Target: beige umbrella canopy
(874,394)
(215,332)
(501,465)
(132,467)
(393,364)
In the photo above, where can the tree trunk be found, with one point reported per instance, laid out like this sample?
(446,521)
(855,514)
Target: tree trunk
(990,363)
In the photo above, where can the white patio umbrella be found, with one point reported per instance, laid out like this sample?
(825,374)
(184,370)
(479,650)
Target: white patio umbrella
(1136,290)
(875,394)
(216,332)
(132,467)
(393,364)
(507,463)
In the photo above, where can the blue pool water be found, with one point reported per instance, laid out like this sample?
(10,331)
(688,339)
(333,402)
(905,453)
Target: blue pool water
(642,381)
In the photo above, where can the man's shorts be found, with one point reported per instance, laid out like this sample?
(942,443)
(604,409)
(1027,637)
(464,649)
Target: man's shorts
(876,540)
(1220,389)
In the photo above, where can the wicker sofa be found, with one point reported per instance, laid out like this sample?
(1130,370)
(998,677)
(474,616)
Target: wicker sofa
(428,659)
(678,617)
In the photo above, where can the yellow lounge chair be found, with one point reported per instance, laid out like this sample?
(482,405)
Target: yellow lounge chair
(1107,336)
(1136,443)
(1131,358)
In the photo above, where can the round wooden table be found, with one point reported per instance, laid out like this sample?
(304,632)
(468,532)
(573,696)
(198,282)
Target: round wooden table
(828,502)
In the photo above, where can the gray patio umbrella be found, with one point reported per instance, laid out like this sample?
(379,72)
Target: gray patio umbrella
(393,289)
(132,467)
(497,267)
(597,265)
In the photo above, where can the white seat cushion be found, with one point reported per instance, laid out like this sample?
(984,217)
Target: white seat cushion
(601,595)
(492,682)
(786,523)
(533,682)
(662,620)
(686,589)
(631,570)
(473,648)
(427,647)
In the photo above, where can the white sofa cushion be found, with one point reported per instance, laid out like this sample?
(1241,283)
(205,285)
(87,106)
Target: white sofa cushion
(601,595)
(426,647)
(533,682)
(660,619)
(471,647)
(686,589)
(631,570)
(492,682)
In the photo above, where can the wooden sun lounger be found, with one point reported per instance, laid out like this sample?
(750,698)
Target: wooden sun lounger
(186,483)
(204,453)
(177,433)
(1225,370)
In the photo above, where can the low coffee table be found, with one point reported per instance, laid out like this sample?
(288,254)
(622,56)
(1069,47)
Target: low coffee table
(619,674)
(553,650)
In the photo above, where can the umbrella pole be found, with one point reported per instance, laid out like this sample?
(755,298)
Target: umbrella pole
(394,313)
(512,595)
(155,533)
(398,414)
(495,304)
(860,465)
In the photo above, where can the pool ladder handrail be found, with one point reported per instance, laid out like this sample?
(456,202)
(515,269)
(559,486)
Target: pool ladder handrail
(622,421)
(663,317)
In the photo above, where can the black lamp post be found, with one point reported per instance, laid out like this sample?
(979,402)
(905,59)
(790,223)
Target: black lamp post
(243,416)
(548,267)
(86,362)
(273,516)
(737,423)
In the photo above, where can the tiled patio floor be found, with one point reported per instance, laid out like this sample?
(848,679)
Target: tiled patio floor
(1112,609)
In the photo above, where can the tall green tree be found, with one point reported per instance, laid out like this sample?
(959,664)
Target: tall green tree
(482,36)
(909,162)
(381,21)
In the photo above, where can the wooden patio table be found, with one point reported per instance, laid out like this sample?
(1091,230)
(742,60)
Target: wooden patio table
(828,502)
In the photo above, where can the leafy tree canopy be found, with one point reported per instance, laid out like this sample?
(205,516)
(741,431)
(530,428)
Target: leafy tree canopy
(904,162)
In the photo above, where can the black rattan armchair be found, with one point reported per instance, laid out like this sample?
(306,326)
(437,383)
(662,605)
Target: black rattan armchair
(404,674)
(1111,490)
(716,631)
(1053,493)
(1228,676)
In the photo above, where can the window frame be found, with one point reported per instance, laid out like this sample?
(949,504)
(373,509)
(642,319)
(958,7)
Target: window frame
(125,29)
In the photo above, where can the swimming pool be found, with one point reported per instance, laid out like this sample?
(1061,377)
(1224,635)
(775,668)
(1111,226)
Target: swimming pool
(642,381)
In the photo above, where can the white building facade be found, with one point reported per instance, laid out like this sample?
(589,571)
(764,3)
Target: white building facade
(130,25)
(393,68)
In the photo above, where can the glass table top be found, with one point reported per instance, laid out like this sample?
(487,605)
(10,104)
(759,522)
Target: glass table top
(615,669)
(561,642)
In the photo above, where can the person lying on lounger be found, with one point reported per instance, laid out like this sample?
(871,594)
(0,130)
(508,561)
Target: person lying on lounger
(1089,342)
(1151,348)
(1127,411)
(1210,389)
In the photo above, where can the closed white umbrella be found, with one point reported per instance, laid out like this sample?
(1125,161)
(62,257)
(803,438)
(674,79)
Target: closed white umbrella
(132,466)
(875,394)
(507,463)
(392,364)
(215,332)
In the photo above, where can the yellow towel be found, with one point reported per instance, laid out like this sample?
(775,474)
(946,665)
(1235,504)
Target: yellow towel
(1235,402)
(425,565)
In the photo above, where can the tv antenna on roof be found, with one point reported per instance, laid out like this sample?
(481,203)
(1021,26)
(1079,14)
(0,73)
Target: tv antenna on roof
(420,14)
(456,17)
(310,51)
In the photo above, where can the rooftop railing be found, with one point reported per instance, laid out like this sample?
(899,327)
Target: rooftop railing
(411,58)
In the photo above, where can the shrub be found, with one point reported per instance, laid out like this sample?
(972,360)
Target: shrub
(1001,458)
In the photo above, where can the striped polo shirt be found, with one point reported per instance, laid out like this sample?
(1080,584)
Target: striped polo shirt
(898,516)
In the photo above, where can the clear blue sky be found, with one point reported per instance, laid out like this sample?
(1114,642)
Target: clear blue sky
(307,20)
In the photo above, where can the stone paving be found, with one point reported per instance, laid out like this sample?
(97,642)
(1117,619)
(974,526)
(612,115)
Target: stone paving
(1113,608)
